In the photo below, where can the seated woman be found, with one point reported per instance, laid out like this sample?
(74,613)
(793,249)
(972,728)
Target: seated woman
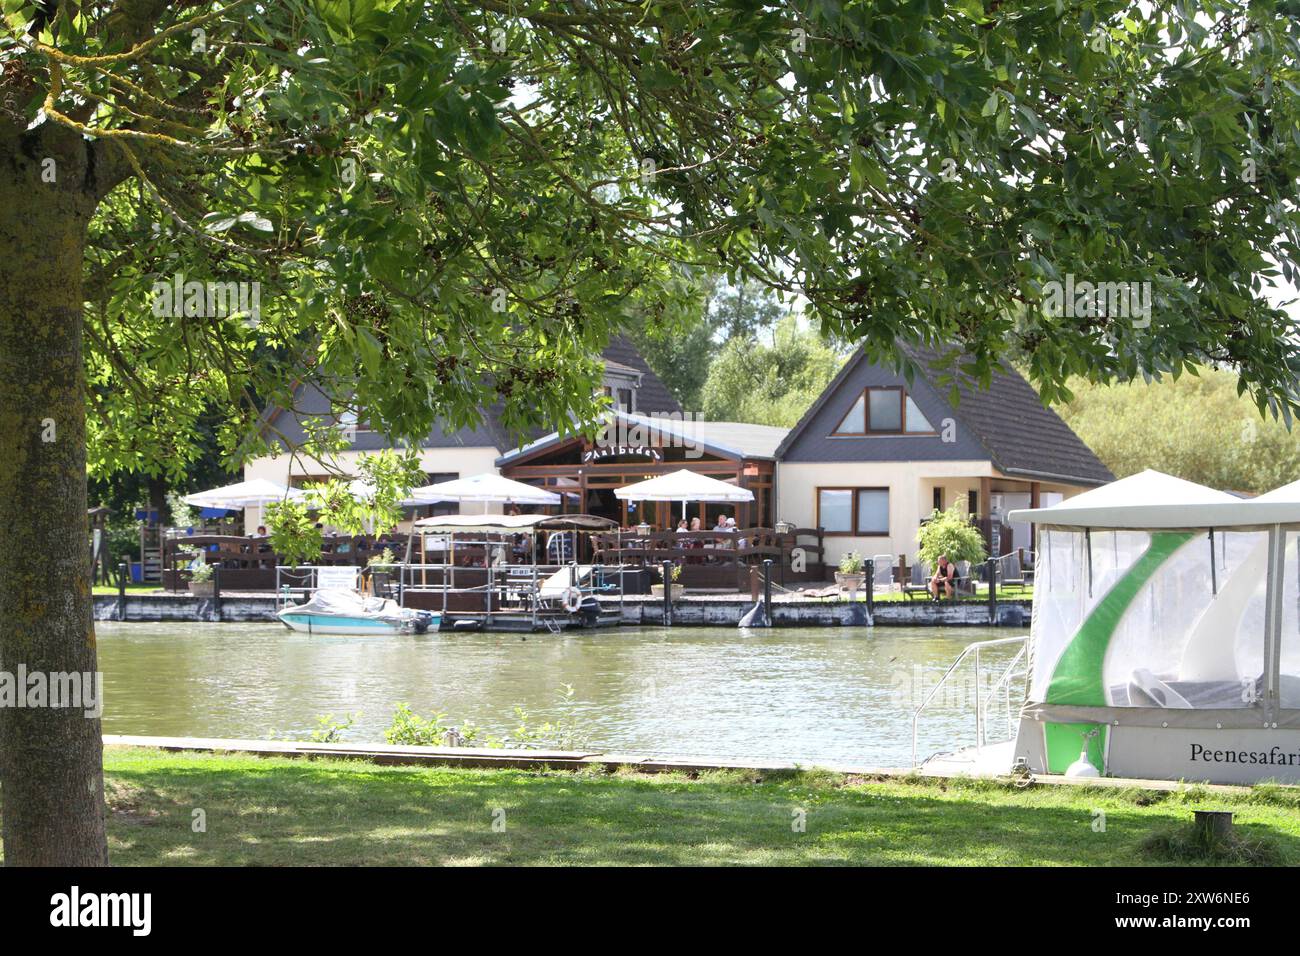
(945,577)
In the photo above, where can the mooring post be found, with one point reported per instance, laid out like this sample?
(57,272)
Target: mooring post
(753,583)
(668,593)
(993,590)
(767,590)
(870,568)
(122,572)
(216,592)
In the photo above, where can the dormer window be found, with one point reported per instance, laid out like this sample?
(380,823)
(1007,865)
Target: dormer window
(886,410)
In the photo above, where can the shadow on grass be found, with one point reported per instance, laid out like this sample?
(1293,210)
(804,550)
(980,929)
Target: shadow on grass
(282,812)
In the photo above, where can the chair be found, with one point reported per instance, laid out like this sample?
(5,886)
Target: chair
(1010,574)
(920,580)
(884,567)
(965,583)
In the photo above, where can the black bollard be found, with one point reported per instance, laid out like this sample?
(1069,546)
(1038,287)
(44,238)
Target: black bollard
(870,568)
(216,592)
(993,590)
(767,590)
(123,572)
(668,593)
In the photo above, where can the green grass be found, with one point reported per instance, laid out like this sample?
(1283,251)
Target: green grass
(109,589)
(283,811)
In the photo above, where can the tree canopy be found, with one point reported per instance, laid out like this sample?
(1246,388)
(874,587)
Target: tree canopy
(426,209)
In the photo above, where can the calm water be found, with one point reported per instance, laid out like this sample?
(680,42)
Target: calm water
(815,694)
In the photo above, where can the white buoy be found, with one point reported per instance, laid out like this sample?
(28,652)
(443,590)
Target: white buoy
(1083,766)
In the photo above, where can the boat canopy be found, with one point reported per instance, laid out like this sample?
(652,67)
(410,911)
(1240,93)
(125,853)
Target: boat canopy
(454,524)
(1163,604)
(1153,500)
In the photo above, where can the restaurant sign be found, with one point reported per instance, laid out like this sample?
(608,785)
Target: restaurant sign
(622,451)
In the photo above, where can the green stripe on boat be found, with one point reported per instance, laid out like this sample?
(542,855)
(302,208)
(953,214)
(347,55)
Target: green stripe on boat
(1077,679)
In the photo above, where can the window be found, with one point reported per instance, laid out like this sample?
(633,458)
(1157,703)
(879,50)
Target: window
(884,411)
(835,510)
(625,400)
(873,511)
(853,511)
(441,507)
(885,406)
(917,423)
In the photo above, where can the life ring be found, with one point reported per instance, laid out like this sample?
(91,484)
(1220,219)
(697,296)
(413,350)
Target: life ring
(572,600)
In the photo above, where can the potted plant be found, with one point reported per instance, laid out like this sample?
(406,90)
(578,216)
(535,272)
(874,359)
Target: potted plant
(851,576)
(201,582)
(677,589)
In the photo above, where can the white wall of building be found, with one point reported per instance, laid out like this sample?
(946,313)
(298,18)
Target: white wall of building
(911,487)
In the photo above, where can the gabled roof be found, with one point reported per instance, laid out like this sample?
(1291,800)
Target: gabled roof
(620,355)
(1021,436)
(729,439)
(652,395)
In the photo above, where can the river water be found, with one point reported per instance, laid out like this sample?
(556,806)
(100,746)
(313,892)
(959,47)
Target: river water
(833,695)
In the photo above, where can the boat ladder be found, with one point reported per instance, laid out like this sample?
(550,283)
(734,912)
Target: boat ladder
(1001,690)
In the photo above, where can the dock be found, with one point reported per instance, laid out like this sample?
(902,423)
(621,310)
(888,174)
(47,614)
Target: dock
(690,610)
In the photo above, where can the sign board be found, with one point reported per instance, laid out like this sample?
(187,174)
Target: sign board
(1230,755)
(342,577)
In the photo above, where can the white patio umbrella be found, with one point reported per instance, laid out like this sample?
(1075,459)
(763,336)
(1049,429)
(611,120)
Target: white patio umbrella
(245,494)
(683,486)
(487,488)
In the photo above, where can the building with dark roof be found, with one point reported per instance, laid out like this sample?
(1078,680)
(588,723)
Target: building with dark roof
(446,453)
(874,456)
(868,462)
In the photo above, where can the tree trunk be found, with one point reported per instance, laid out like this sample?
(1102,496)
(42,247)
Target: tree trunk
(51,777)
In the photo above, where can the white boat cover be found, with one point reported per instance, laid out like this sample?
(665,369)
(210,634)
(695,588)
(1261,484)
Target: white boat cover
(329,602)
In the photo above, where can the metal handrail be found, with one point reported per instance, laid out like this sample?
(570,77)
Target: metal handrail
(977,647)
(1005,679)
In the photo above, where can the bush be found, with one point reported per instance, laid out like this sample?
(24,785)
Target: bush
(410,729)
(950,532)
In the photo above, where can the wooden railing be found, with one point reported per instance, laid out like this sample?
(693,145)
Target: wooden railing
(249,563)
(718,558)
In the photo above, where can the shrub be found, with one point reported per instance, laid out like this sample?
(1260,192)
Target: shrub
(950,532)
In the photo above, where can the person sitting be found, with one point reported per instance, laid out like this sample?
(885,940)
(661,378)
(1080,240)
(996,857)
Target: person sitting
(945,577)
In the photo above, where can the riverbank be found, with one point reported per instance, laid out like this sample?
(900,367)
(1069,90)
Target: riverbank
(691,610)
(276,811)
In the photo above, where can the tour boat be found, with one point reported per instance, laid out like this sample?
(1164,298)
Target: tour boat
(348,612)
(1165,641)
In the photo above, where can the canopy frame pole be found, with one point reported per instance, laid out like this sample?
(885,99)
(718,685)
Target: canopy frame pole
(1214,569)
(1273,620)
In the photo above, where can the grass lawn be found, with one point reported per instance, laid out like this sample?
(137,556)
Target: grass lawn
(109,589)
(283,811)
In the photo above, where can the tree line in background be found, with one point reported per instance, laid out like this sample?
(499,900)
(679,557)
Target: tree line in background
(1198,427)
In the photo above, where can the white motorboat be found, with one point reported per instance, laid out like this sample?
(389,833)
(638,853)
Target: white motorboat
(337,611)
